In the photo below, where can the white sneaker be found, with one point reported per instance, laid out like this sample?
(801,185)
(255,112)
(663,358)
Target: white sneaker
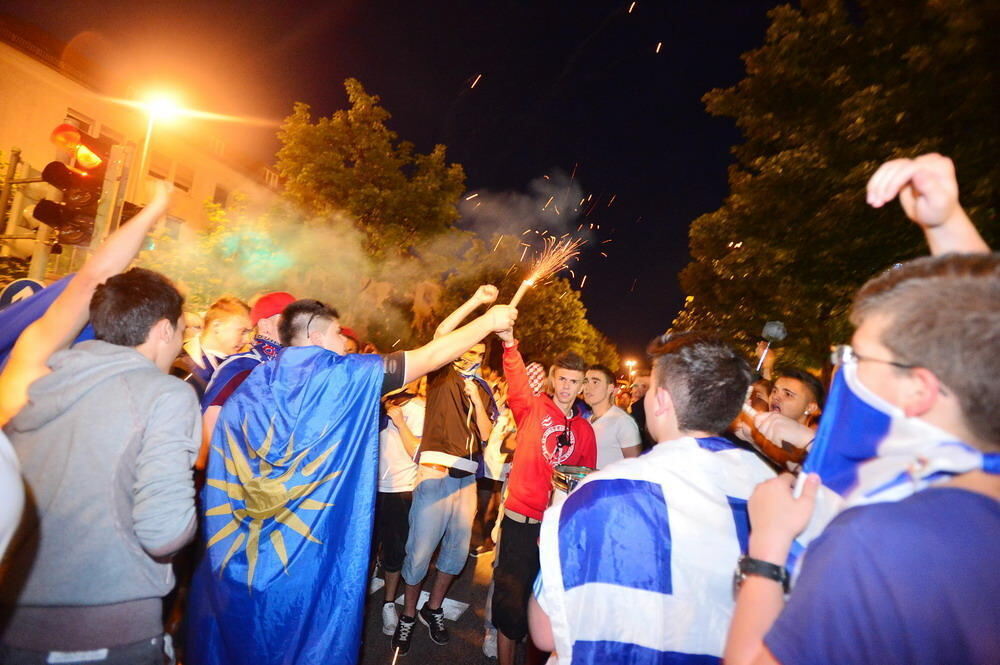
(490,643)
(389,618)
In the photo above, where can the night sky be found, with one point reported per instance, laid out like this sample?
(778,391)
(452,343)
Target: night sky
(566,86)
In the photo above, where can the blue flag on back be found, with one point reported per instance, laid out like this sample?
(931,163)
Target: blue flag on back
(18,316)
(288,509)
(868,451)
(636,564)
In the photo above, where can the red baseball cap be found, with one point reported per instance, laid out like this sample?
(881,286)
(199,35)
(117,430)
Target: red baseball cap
(270,304)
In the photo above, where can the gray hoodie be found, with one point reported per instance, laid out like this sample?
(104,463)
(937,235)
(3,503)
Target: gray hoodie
(106,445)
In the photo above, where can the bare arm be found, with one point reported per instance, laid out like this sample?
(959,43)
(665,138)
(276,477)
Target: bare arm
(67,315)
(540,626)
(776,518)
(484,295)
(411,442)
(442,350)
(483,422)
(928,191)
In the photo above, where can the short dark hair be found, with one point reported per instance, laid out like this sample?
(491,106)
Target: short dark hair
(569,360)
(944,316)
(706,378)
(126,307)
(811,383)
(295,319)
(603,369)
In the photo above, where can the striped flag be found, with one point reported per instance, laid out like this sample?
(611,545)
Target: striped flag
(637,563)
(868,451)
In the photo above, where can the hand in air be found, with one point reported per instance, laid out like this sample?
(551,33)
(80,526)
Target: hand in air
(926,186)
(502,317)
(487,294)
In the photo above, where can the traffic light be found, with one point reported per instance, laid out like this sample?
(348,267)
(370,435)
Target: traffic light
(80,183)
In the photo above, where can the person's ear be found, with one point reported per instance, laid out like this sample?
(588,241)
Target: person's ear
(664,402)
(922,391)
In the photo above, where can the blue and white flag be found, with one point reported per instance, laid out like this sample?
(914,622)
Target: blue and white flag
(21,314)
(288,510)
(637,563)
(868,451)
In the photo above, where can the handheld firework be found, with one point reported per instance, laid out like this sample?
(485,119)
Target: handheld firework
(553,258)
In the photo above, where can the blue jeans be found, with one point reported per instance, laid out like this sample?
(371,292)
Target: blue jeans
(442,512)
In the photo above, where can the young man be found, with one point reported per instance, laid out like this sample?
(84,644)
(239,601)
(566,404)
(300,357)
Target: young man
(264,316)
(796,394)
(291,489)
(617,434)
(637,407)
(901,580)
(549,433)
(225,331)
(399,443)
(457,422)
(636,563)
(91,571)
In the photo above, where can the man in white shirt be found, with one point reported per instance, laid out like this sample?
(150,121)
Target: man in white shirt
(617,433)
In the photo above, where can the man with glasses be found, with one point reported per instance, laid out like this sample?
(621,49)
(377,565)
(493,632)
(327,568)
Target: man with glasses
(290,493)
(636,564)
(907,573)
(549,433)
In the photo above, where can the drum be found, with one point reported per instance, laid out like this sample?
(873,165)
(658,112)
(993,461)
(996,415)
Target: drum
(565,479)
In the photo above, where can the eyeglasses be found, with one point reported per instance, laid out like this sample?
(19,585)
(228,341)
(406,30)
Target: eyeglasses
(845,354)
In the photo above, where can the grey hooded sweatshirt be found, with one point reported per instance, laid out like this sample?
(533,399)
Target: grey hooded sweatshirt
(106,445)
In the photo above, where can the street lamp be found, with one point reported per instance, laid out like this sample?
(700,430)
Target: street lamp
(158,106)
(630,364)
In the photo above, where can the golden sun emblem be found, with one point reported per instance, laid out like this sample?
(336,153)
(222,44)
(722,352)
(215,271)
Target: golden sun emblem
(265,497)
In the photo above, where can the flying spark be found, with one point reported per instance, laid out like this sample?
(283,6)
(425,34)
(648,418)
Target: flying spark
(498,243)
(479,76)
(583,281)
(471,196)
(659,45)
(613,197)
(631,7)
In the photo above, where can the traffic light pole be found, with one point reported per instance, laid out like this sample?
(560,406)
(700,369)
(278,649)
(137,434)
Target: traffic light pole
(109,209)
(11,227)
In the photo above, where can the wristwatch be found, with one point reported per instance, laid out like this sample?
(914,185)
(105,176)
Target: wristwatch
(748,566)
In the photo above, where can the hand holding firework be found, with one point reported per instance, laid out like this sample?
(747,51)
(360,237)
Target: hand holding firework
(553,258)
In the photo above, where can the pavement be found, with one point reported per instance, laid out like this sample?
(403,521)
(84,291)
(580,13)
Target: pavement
(466,644)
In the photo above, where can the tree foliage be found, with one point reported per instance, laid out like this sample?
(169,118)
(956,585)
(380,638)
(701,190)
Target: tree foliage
(353,163)
(835,90)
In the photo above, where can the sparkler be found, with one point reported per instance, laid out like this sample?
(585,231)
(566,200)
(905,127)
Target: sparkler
(552,259)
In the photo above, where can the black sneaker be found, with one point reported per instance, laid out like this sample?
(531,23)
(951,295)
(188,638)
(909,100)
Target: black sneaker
(404,634)
(434,620)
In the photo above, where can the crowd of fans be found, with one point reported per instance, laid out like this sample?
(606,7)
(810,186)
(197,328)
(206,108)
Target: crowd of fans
(134,508)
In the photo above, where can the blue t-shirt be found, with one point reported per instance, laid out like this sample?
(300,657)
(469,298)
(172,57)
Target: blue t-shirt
(912,582)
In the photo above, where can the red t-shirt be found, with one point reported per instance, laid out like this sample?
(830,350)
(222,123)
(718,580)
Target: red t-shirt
(540,424)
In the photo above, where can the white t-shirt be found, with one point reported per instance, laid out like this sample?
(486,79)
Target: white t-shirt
(11,493)
(614,430)
(397,472)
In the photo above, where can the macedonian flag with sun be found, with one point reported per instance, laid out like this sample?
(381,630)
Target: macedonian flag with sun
(287,513)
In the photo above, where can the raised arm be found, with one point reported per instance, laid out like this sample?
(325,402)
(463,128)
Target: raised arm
(484,295)
(928,191)
(442,350)
(67,315)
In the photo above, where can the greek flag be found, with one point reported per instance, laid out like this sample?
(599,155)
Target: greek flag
(637,563)
(868,451)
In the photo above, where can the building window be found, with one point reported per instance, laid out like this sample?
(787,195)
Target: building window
(221,197)
(270,178)
(159,166)
(79,120)
(112,136)
(183,177)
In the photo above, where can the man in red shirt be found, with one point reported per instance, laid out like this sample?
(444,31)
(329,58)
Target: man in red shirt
(549,433)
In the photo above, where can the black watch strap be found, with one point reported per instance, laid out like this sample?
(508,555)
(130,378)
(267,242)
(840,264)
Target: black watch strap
(750,566)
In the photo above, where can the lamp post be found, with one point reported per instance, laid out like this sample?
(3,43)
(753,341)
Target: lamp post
(157,107)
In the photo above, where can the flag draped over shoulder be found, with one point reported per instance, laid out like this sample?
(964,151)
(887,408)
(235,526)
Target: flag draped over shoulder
(868,451)
(636,564)
(288,509)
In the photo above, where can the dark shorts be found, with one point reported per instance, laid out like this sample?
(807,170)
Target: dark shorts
(393,528)
(514,576)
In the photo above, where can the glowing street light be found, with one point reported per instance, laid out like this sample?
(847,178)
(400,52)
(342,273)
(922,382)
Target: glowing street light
(158,107)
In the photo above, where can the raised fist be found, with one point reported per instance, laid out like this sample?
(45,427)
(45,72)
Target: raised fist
(487,294)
